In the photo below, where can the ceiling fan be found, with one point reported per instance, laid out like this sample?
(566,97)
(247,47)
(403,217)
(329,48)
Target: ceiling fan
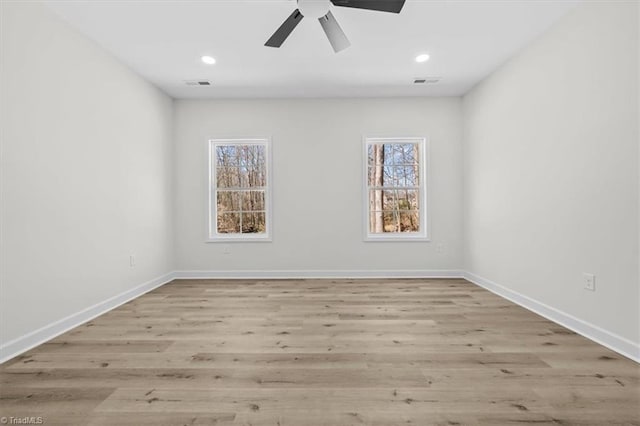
(320,9)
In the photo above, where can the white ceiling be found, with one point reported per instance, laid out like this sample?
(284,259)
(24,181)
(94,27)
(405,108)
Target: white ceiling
(164,40)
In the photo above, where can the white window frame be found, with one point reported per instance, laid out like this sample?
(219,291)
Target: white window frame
(212,208)
(423,191)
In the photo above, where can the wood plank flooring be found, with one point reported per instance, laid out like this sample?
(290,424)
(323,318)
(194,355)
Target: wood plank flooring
(321,352)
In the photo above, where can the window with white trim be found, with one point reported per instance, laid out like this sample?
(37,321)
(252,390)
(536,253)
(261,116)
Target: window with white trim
(395,182)
(239,190)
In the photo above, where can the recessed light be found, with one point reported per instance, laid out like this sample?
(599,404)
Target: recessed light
(422,58)
(209,60)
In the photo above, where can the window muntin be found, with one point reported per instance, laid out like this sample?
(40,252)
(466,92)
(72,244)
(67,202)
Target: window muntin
(239,190)
(395,188)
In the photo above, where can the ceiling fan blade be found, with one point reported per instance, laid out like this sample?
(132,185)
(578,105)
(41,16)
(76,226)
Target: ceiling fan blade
(285,29)
(394,6)
(334,33)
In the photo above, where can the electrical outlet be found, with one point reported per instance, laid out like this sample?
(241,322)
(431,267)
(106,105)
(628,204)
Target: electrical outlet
(132,260)
(226,250)
(589,281)
(440,248)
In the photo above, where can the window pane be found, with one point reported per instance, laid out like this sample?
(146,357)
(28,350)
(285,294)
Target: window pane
(388,176)
(377,152)
(228,201)
(410,153)
(227,177)
(404,176)
(228,223)
(409,221)
(252,156)
(226,155)
(396,176)
(391,221)
(395,155)
(253,223)
(252,200)
(410,175)
(376,176)
(387,153)
(411,199)
(390,200)
(243,176)
(401,203)
(257,155)
(254,174)
(242,155)
(370,158)
(377,199)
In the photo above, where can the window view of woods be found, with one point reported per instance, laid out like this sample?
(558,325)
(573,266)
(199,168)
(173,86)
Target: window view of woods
(240,185)
(393,185)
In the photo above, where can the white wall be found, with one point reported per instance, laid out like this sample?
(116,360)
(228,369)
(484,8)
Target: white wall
(317,171)
(551,170)
(86,175)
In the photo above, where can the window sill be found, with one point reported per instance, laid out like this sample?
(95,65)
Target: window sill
(239,240)
(397,238)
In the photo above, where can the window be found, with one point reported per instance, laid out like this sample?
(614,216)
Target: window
(395,199)
(239,190)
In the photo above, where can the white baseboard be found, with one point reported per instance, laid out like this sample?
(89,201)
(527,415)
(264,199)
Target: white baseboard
(606,338)
(306,273)
(22,344)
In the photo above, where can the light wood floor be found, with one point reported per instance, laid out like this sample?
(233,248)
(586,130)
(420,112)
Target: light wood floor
(321,352)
